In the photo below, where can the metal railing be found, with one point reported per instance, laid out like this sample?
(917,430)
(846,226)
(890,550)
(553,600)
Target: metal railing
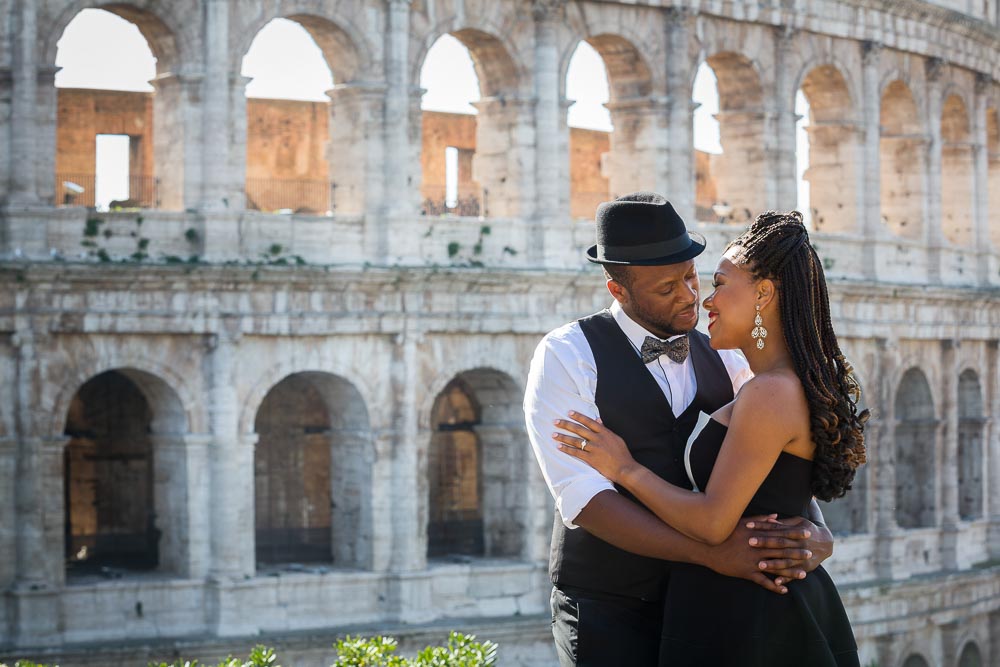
(464,206)
(77,189)
(295,195)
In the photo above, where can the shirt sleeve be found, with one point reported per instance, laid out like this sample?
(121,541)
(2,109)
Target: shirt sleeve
(560,380)
(737,367)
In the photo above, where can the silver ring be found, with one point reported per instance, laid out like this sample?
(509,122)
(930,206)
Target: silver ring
(583,445)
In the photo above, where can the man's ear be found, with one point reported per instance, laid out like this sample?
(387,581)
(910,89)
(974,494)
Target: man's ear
(617,291)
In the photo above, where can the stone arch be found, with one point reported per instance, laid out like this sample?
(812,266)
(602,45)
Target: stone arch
(313,472)
(629,76)
(970,655)
(475,465)
(957,171)
(902,160)
(915,445)
(125,471)
(835,145)
(739,171)
(971,426)
(915,660)
(499,176)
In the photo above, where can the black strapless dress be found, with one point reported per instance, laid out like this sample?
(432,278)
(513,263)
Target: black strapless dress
(711,620)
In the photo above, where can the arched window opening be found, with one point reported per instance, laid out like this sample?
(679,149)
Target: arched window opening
(450,130)
(970,656)
(971,422)
(916,435)
(105,118)
(288,119)
(834,148)
(957,173)
(454,471)
(993,173)
(915,661)
(902,160)
(729,140)
(590,132)
(110,522)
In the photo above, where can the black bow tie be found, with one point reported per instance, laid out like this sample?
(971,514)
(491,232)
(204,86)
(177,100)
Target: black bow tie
(676,349)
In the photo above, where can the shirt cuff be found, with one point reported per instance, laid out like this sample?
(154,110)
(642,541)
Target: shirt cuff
(575,496)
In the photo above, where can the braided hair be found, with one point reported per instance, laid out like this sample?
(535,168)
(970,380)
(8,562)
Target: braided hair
(776,246)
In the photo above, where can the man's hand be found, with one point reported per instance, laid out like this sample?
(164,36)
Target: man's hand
(789,548)
(737,557)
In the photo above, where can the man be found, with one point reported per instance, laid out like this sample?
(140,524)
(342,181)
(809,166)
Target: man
(647,374)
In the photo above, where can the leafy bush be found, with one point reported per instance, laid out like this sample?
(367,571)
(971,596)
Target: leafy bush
(260,656)
(461,651)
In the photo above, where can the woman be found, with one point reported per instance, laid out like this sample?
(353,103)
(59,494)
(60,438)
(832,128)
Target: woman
(793,432)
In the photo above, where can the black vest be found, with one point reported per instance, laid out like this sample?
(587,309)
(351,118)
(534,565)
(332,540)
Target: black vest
(632,405)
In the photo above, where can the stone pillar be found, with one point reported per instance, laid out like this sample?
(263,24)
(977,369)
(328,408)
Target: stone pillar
(933,233)
(181,498)
(24,181)
(177,136)
(502,164)
(780,180)
(981,195)
(551,172)
(740,172)
(884,483)
(408,529)
(236,175)
(947,458)
(215,98)
(637,159)
(991,445)
(869,176)
(680,112)
(397,113)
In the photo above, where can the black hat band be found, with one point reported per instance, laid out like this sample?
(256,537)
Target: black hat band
(632,253)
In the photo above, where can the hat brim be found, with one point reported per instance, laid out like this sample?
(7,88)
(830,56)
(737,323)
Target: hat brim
(696,248)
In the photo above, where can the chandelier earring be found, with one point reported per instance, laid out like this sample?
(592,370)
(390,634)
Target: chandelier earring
(759,333)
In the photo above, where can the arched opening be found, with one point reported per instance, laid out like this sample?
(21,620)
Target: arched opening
(729,139)
(312,473)
(117,141)
(915,660)
(124,484)
(902,159)
(915,439)
(590,131)
(993,174)
(449,130)
(957,173)
(477,477)
(622,148)
(833,150)
(472,162)
(287,132)
(970,656)
(971,422)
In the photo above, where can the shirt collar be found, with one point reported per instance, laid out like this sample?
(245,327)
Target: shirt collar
(634,331)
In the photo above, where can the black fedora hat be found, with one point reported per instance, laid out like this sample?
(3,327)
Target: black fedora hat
(643,229)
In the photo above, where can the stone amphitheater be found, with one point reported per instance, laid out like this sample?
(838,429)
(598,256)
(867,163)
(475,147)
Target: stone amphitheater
(222,425)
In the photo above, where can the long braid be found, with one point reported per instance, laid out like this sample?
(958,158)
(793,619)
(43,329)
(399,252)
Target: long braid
(776,246)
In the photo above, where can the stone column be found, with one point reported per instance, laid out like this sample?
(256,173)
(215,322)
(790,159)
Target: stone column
(947,458)
(215,98)
(177,136)
(740,172)
(409,547)
(551,172)
(884,483)
(680,112)
(23,156)
(637,159)
(869,176)
(981,195)
(397,117)
(780,181)
(502,165)
(933,233)
(45,111)
(181,498)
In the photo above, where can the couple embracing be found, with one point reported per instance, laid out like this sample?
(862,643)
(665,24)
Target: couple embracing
(685,467)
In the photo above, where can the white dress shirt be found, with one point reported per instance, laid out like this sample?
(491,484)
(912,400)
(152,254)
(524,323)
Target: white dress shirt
(563,377)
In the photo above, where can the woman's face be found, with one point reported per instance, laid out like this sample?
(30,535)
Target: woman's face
(731,304)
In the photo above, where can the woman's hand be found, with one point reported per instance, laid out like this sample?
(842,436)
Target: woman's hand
(595,445)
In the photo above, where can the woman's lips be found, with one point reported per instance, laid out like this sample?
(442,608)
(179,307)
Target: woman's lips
(711,319)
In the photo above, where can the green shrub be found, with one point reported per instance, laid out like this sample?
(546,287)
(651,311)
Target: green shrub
(260,656)
(461,651)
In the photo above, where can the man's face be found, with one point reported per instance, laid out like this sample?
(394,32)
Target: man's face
(663,299)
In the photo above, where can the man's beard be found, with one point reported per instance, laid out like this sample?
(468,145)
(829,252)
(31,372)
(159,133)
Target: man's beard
(661,326)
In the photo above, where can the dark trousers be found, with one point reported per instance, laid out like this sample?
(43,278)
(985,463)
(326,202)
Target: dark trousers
(596,630)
